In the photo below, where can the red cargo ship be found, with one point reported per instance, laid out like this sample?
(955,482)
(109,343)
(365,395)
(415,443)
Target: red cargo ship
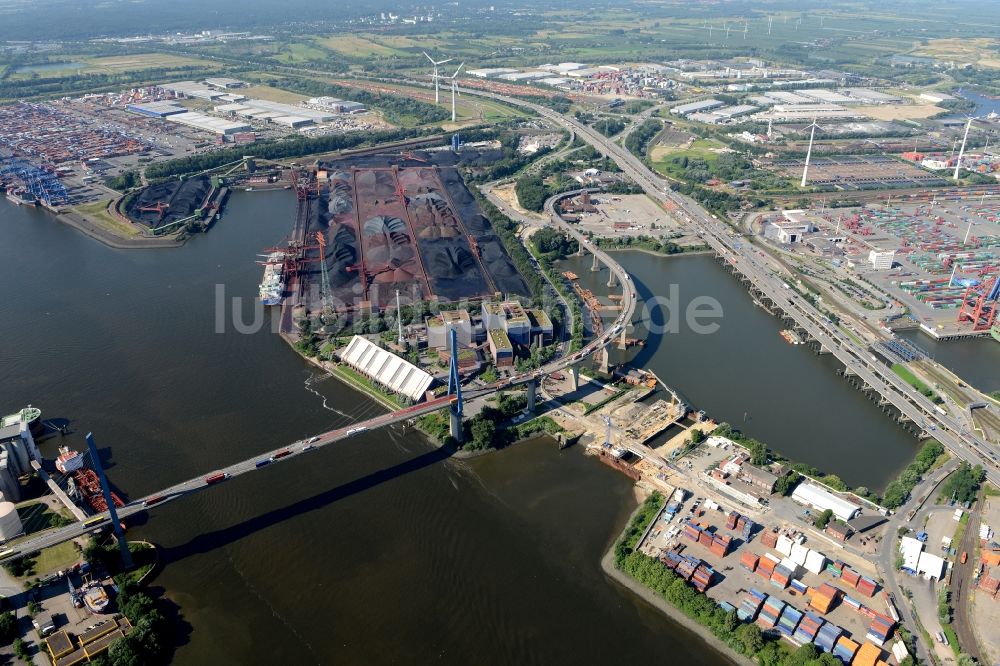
(90,489)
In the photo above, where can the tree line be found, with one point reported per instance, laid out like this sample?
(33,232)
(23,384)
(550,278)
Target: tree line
(279,149)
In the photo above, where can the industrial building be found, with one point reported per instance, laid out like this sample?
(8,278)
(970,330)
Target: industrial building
(523,76)
(881,260)
(791,113)
(563,67)
(156,109)
(759,478)
(387,369)
(439,325)
(510,317)
(500,348)
(918,562)
(16,437)
(335,105)
(192,89)
(791,228)
(225,83)
(729,112)
(491,72)
(200,121)
(869,96)
(812,495)
(275,112)
(827,96)
(542,331)
(695,107)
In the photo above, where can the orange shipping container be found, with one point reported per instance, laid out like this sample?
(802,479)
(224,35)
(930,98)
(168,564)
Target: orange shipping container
(867,655)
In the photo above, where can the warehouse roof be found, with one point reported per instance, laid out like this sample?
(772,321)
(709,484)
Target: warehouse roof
(386,368)
(207,123)
(815,496)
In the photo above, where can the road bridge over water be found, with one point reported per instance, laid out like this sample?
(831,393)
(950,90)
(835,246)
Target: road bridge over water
(290,452)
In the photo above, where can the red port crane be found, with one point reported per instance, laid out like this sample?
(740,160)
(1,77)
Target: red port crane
(979,304)
(160,207)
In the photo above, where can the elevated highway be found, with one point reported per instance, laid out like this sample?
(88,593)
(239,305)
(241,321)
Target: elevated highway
(741,256)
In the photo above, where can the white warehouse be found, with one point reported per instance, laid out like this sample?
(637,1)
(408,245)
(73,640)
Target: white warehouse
(386,368)
(821,499)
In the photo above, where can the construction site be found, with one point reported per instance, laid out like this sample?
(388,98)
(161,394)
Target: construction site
(368,227)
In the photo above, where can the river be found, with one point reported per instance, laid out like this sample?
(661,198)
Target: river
(984,105)
(746,374)
(376,550)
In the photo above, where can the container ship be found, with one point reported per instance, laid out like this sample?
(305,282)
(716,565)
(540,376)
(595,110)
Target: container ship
(21,196)
(272,287)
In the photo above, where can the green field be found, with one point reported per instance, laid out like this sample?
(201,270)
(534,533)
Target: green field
(910,378)
(56,558)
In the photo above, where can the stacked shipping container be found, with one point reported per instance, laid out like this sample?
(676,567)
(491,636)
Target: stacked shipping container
(789,620)
(770,612)
(880,630)
(845,649)
(750,605)
(808,628)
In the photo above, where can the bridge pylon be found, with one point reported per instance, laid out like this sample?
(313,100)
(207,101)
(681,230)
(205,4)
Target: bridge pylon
(596,266)
(116,523)
(455,388)
(532,395)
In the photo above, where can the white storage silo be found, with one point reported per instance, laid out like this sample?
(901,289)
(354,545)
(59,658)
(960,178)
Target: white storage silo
(10,522)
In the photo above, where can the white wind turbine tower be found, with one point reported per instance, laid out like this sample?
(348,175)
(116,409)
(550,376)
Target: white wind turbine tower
(437,95)
(812,134)
(961,152)
(454,91)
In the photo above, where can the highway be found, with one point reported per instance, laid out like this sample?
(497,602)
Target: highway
(726,242)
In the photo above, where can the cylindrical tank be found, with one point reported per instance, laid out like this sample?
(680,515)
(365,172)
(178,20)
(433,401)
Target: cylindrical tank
(10,522)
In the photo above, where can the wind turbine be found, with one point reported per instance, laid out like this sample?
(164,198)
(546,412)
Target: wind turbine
(454,90)
(812,134)
(437,95)
(961,152)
